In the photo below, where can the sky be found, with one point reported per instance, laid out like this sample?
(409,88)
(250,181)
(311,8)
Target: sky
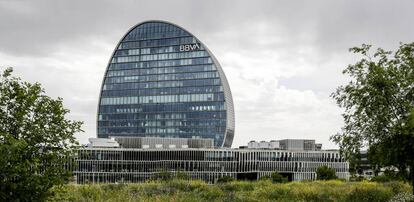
(282,59)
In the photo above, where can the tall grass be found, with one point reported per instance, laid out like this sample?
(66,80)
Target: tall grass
(181,190)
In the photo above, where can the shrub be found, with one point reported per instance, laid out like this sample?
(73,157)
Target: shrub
(266,177)
(397,187)
(356,178)
(325,173)
(163,176)
(389,176)
(210,194)
(369,194)
(225,179)
(278,178)
(182,175)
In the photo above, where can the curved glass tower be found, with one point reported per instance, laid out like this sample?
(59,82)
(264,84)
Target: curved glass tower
(162,81)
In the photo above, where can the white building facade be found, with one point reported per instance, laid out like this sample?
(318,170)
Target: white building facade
(130,165)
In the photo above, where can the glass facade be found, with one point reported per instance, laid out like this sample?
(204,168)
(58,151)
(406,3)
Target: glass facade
(163,82)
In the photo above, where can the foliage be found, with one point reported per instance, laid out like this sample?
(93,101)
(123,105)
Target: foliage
(36,140)
(356,178)
(163,175)
(225,179)
(325,173)
(388,176)
(379,107)
(278,178)
(402,197)
(184,190)
(369,193)
(182,175)
(266,177)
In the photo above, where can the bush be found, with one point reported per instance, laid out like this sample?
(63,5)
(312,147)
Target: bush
(278,178)
(182,175)
(225,179)
(163,176)
(381,178)
(325,173)
(356,178)
(369,194)
(389,176)
(266,177)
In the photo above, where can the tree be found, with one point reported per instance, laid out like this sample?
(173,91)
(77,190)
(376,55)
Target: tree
(325,173)
(36,140)
(379,107)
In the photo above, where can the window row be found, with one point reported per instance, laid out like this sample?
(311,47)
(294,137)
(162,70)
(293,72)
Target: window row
(164,56)
(153,50)
(162,77)
(310,160)
(156,42)
(162,123)
(158,99)
(155,35)
(191,108)
(207,132)
(164,109)
(200,116)
(157,32)
(161,63)
(162,91)
(162,84)
(163,70)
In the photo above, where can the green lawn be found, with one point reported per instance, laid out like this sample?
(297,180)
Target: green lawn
(180,190)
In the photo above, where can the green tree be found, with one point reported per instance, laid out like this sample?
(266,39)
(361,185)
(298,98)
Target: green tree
(325,173)
(278,178)
(379,107)
(36,140)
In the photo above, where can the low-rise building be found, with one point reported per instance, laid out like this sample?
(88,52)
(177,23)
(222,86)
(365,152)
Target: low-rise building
(111,165)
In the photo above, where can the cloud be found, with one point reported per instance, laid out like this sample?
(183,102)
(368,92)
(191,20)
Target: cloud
(282,58)
(73,73)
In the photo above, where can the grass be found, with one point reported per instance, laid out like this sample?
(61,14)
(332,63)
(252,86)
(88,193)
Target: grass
(181,190)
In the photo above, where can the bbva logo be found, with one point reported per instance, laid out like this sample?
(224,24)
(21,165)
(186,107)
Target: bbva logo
(189,47)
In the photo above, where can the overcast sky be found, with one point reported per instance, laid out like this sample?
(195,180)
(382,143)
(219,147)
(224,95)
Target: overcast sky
(282,58)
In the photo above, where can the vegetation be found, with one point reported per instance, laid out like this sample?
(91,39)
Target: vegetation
(379,108)
(182,175)
(183,190)
(356,178)
(275,177)
(163,175)
(36,140)
(388,176)
(325,173)
(225,179)
(278,178)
